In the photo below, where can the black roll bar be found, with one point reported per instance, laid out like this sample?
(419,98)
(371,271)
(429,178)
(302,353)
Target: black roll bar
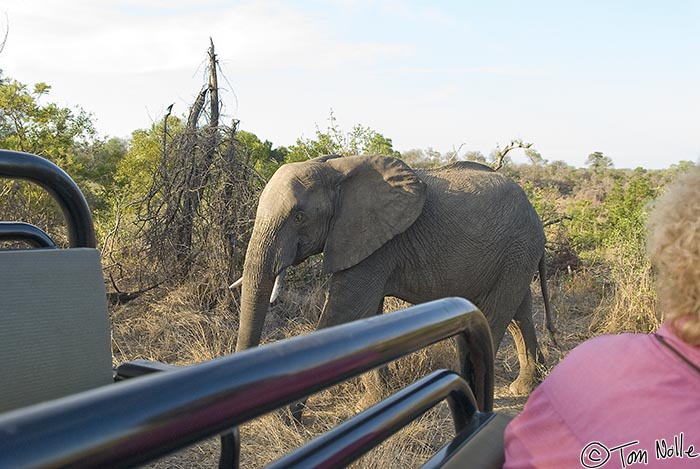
(353,438)
(139,420)
(25,232)
(18,165)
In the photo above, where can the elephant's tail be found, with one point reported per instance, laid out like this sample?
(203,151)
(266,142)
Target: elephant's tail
(549,318)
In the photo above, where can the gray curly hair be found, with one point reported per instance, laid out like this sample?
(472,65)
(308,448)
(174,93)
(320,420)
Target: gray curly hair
(674,249)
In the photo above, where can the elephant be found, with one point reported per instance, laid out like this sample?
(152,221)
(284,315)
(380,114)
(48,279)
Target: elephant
(387,230)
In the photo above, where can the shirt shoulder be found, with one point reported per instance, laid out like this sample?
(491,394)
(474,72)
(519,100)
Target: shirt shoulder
(602,391)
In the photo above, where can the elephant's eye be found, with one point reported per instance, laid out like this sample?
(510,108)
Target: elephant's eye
(299,217)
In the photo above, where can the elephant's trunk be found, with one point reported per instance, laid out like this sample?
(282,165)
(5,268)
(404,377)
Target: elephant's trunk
(259,273)
(255,300)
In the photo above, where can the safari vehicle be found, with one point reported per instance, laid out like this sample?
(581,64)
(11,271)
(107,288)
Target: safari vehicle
(60,407)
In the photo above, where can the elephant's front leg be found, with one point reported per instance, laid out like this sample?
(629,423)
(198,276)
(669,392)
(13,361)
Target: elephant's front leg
(354,293)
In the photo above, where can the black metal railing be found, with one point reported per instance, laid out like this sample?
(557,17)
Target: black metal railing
(353,438)
(142,419)
(18,165)
(26,233)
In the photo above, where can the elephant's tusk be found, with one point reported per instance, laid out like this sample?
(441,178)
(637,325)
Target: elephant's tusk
(279,283)
(276,289)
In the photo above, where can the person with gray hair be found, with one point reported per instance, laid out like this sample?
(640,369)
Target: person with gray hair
(620,400)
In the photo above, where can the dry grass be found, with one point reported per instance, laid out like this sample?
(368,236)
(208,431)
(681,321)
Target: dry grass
(169,327)
(631,306)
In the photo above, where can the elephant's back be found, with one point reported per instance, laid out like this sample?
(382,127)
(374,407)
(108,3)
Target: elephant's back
(484,191)
(465,172)
(482,211)
(464,166)
(477,230)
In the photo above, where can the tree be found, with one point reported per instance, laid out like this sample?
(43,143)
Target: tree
(360,140)
(365,141)
(99,173)
(682,166)
(134,174)
(414,157)
(475,155)
(433,156)
(598,162)
(422,158)
(259,155)
(627,208)
(499,156)
(535,157)
(103,159)
(62,135)
(452,155)
(186,202)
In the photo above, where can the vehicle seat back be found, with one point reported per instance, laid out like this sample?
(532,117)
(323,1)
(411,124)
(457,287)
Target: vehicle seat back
(54,325)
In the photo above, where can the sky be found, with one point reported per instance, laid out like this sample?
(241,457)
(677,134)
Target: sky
(572,77)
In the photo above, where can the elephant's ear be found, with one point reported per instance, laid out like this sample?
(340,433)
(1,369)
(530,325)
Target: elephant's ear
(379,197)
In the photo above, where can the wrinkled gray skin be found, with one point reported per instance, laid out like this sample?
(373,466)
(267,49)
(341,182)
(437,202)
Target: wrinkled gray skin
(385,229)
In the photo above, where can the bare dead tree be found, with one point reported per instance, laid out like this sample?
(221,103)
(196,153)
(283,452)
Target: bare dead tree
(453,155)
(199,211)
(500,154)
(213,87)
(7,33)
(165,134)
(198,175)
(196,108)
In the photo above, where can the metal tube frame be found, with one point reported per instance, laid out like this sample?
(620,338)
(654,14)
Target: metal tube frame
(353,438)
(25,232)
(18,165)
(140,420)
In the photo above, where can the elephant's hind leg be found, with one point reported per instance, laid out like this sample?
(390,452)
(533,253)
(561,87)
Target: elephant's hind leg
(523,331)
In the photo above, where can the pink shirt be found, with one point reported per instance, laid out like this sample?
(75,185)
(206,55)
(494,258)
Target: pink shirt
(614,401)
